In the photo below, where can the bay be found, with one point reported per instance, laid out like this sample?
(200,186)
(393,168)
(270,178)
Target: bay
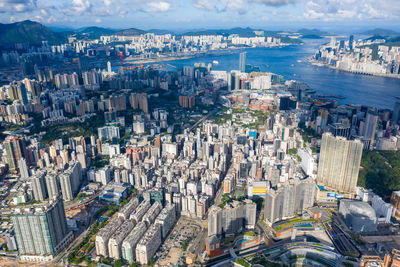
(291,62)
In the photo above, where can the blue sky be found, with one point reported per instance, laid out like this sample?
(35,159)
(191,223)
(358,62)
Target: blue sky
(344,15)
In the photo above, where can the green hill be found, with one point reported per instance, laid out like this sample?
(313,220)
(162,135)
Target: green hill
(380,32)
(94,32)
(28,32)
(129,32)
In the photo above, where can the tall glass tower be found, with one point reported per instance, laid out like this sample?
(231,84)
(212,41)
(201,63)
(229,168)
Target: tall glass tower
(242,61)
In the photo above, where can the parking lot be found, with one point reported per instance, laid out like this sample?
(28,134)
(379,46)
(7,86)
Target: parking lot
(178,241)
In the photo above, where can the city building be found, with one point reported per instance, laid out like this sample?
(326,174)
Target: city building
(104,235)
(242,61)
(358,216)
(289,199)
(41,230)
(149,244)
(70,181)
(231,219)
(339,163)
(166,219)
(130,242)
(38,185)
(395,202)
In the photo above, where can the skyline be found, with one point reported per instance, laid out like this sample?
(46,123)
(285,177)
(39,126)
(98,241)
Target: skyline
(345,15)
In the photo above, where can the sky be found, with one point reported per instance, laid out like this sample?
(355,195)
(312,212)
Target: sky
(345,15)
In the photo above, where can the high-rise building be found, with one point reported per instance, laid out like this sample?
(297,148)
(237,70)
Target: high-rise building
(52,185)
(371,121)
(23,169)
(166,219)
(396,112)
(242,61)
(392,259)
(134,100)
(15,150)
(70,180)
(395,201)
(130,242)
(149,244)
(339,163)
(288,199)
(115,241)
(104,235)
(38,185)
(143,103)
(339,129)
(41,230)
(232,218)
(109,70)
(108,132)
(351,41)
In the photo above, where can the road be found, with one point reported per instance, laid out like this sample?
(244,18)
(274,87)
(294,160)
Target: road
(74,243)
(203,119)
(76,203)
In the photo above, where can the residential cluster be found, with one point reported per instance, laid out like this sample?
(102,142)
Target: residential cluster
(126,161)
(363,56)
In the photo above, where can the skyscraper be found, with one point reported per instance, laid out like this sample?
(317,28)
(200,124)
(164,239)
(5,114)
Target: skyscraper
(41,230)
(38,185)
(52,185)
(396,112)
(339,163)
(242,61)
(143,103)
(351,40)
(70,181)
(371,121)
(109,70)
(232,218)
(15,149)
(288,199)
(23,168)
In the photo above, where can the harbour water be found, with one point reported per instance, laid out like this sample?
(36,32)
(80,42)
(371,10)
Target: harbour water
(291,62)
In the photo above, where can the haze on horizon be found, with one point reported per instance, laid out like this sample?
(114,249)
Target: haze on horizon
(338,15)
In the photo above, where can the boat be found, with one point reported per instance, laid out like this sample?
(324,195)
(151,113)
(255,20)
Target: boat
(299,61)
(215,62)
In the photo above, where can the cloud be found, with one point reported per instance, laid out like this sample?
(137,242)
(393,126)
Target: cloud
(204,4)
(17,6)
(241,6)
(333,10)
(275,2)
(221,5)
(234,5)
(158,6)
(80,7)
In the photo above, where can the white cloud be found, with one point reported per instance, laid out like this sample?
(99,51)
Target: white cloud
(332,10)
(204,4)
(80,6)
(275,2)
(107,2)
(158,6)
(17,6)
(234,5)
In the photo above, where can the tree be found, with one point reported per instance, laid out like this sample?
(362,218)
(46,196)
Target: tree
(118,263)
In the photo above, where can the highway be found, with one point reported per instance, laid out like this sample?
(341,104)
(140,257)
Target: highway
(203,119)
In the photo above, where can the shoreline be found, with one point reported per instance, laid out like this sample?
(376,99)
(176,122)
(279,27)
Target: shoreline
(321,64)
(231,50)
